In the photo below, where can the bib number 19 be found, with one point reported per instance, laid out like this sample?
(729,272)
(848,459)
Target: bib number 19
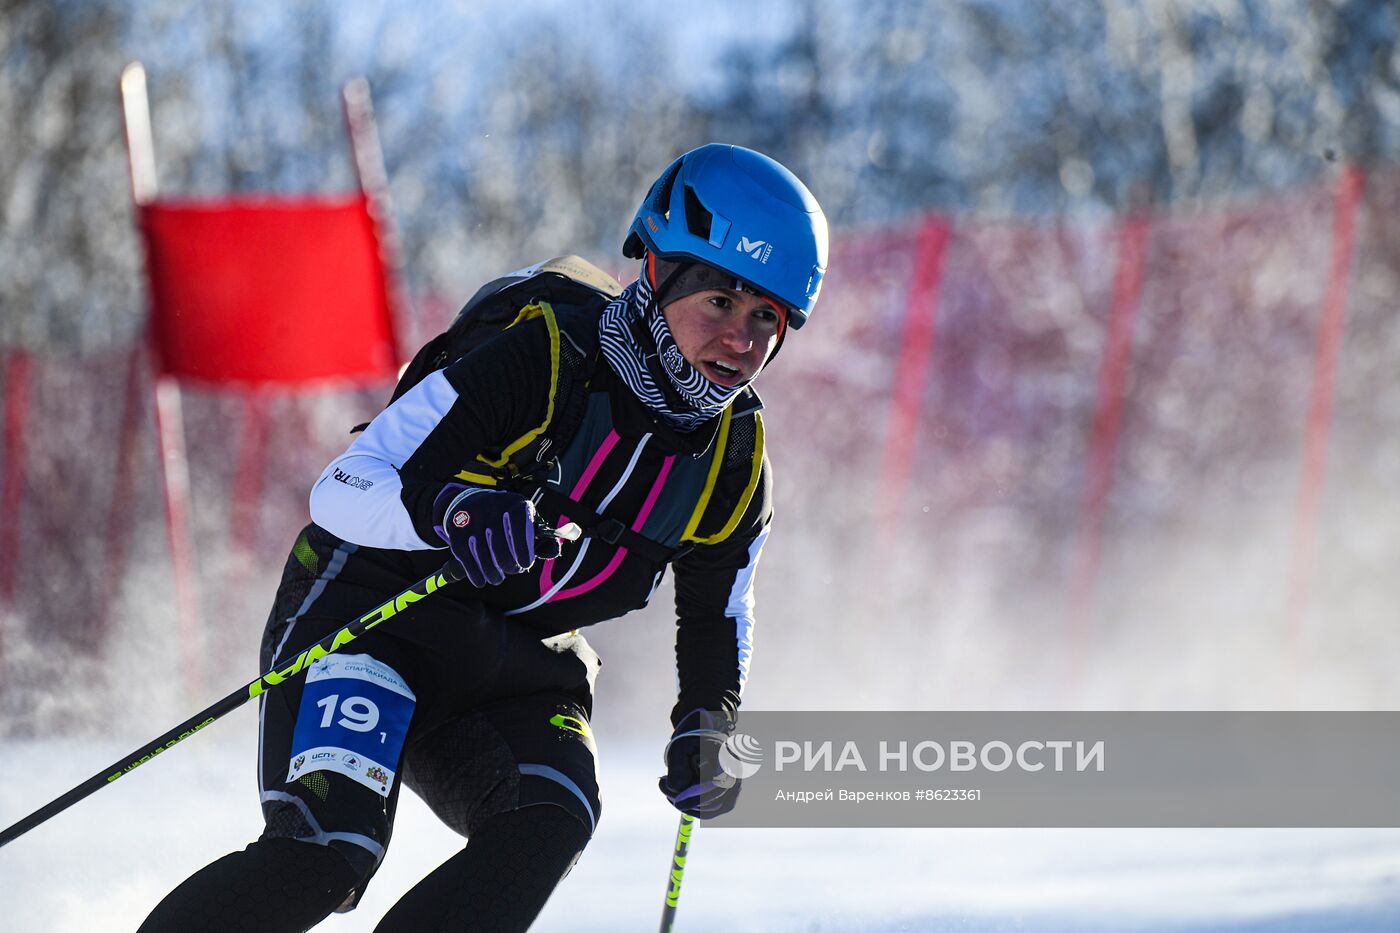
(356,713)
(353,720)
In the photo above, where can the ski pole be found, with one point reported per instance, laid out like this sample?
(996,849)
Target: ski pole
(331,643)
(673,882)
(328,645)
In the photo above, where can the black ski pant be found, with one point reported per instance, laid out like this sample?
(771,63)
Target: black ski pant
(496,741)
(497,884)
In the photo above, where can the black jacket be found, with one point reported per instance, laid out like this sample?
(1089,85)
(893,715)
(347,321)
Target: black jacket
(622,463)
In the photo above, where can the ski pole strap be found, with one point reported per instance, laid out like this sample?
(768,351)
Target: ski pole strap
(673,881)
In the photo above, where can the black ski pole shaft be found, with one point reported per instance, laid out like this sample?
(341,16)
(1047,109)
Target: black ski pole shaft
(673,881)
(331,643)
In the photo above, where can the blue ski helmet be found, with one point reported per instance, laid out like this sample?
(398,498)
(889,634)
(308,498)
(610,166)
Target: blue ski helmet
(740,211)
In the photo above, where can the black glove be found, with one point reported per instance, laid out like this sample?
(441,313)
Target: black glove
(695,783)
(490,533)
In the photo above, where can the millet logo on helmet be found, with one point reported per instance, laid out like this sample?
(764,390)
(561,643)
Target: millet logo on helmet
(757,249)
(460,518)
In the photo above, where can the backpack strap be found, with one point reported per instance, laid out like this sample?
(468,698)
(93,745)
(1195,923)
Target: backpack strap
(610,530)
(572,356)
(738,458)
(503,458)
(733,453)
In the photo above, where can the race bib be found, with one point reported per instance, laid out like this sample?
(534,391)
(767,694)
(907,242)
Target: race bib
(353,719)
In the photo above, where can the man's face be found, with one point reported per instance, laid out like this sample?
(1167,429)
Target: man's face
(725,334)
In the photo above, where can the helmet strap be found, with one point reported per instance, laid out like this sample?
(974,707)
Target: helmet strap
(674,271)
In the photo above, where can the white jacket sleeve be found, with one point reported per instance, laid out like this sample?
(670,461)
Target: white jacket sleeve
(359,496)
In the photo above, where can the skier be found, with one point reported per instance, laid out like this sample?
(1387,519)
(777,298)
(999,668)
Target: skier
(631,416)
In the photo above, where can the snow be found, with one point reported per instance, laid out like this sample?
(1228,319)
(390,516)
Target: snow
(112,856)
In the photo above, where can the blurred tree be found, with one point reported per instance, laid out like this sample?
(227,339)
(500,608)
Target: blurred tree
(1361,55)
(550,153)
(68,262)
(852,100)
(541,136)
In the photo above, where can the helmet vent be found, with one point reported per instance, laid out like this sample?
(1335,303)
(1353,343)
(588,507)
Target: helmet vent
(697,220)
(663,195)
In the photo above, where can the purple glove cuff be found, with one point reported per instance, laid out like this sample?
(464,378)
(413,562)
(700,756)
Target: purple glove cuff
(694,782)
(441,502)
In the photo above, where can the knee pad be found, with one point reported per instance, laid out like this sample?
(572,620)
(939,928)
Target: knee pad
(289,818)
(544,786)
(533,750)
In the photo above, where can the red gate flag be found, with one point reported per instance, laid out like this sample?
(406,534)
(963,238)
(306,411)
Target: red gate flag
(268,292)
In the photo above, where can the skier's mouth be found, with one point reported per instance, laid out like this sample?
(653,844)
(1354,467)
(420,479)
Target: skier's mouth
(723,373)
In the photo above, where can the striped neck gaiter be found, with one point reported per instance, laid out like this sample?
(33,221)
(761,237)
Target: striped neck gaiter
(637,343)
